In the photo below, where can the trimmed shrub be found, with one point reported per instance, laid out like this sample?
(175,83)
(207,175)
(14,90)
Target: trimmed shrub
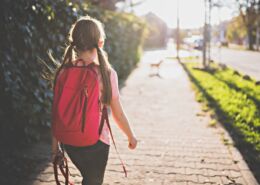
(30,29)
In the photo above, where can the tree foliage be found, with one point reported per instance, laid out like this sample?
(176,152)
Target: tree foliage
(158,31)
(236,30)
(108,4)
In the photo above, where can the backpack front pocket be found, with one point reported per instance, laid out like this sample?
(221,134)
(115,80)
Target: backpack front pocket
(71,107)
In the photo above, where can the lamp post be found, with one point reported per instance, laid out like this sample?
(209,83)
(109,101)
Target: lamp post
(204,48)
(220,29)
(209,31)
(178,32)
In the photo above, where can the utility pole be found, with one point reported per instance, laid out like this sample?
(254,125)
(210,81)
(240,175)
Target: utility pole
(131,6)
(178,32)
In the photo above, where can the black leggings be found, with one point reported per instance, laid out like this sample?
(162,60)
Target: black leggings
(90,160)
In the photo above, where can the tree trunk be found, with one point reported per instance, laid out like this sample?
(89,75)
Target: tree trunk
(257,36)
(250,37)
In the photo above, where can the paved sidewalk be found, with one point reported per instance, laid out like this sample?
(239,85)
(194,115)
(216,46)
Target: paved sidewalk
(176,145)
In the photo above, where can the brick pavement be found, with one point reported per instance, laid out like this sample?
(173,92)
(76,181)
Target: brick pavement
(176,144)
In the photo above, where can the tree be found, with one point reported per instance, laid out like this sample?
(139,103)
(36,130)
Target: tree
(158,31)
(249,12)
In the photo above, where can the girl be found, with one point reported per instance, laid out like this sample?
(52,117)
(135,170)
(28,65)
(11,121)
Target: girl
(86,42)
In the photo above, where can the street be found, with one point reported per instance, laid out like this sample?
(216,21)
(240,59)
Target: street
(246,62)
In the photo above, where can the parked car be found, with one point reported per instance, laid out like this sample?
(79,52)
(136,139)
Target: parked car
(198,44)
(195,42)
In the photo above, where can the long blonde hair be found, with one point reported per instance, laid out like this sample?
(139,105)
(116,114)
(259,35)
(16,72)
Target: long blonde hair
(85,35)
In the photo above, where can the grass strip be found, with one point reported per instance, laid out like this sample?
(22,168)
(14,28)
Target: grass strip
(235,101)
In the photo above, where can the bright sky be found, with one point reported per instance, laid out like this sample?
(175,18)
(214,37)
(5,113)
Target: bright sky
(191,12)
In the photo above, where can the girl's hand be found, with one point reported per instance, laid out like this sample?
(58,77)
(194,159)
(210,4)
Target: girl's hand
(58,157)
(54,148)
(54,153)
(132,143)
(53,156)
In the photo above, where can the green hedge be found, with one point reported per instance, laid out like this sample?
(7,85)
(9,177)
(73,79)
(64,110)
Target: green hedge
(29,29)
(235,100)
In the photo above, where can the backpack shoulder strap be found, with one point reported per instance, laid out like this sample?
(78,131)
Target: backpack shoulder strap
(105,118)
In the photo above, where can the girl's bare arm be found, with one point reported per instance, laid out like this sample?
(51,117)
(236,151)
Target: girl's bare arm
(122,121)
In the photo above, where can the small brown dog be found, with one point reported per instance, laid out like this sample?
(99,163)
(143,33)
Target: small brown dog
(157,66)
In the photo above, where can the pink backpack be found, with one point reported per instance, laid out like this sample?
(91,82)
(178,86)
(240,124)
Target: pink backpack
(76,106)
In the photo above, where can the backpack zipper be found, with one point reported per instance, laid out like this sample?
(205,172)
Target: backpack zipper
(85,91)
